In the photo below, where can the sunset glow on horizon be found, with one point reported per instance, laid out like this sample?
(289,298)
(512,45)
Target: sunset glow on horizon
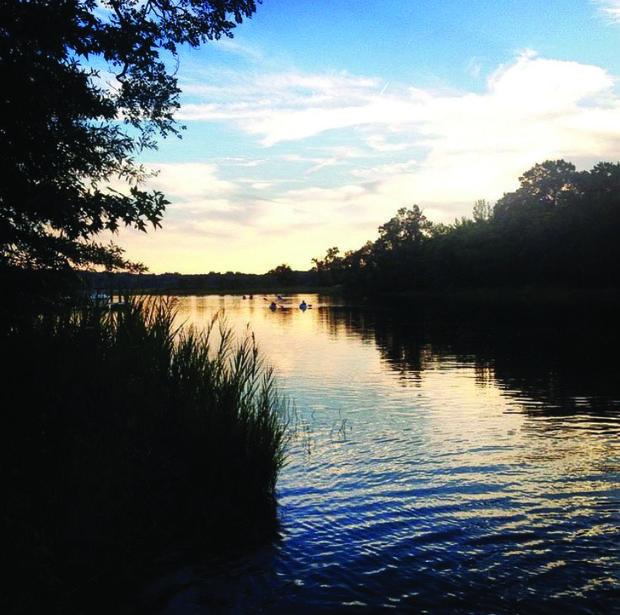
(319,120)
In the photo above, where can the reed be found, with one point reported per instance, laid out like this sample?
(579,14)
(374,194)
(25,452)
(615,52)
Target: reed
(125,433)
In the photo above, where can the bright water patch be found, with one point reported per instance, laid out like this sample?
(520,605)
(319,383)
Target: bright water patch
(460,468)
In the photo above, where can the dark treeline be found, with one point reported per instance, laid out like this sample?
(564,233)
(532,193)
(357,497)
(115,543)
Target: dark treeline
(279,278)
(559,228)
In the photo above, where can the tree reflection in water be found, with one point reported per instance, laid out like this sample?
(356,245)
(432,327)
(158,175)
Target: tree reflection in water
(552,366)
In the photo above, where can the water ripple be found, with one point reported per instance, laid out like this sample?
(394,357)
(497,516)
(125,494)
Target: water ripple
(438,476)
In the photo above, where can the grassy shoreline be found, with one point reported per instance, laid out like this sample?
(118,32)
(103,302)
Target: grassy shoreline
(124,436)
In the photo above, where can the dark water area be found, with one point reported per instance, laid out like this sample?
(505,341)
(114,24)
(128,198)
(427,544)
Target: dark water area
(462,465)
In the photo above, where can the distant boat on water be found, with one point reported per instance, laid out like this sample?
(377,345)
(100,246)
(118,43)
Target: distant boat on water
(100,297)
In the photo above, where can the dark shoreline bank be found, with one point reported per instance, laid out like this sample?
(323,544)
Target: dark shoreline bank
(500,301)
(123,438)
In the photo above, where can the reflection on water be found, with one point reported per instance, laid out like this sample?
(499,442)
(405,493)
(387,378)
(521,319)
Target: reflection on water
(454,466)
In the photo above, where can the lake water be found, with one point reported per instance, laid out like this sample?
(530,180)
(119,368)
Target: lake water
(453,466)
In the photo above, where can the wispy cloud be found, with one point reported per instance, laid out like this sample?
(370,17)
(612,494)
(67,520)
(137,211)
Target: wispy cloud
(282,106)
(610,8)
(533,108)
(342,152)
(566,100)
(187,181)
(246,51)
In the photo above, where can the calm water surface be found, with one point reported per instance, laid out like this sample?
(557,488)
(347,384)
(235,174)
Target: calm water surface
(461,467)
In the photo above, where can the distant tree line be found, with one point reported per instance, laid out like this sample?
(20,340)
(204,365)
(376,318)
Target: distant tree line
(561,227)
(279,278)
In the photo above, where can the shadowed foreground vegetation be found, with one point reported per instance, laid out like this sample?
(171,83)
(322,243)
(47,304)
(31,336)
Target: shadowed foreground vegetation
(123,436)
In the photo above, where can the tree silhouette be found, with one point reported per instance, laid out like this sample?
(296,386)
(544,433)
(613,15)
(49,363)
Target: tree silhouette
(482,211)
(283,274)
(407,226)
(329,268)
(89,84)
(559,228)
(543,187)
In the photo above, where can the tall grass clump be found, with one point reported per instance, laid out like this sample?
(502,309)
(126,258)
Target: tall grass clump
(124,434)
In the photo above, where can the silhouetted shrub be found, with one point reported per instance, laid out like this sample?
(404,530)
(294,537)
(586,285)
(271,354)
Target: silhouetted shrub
(124,434)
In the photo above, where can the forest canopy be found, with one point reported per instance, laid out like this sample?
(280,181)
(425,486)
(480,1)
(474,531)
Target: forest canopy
(559,228)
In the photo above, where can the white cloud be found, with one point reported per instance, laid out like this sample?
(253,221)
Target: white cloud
(525,101)
(532,109)
(245,51)
(386,148)
(282,106)
(191,180)
(380,143)
(262,185)
(382,171)
(611,9)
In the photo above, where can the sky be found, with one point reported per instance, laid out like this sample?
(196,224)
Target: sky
(321,118)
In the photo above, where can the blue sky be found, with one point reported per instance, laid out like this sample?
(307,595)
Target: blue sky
(321,118)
